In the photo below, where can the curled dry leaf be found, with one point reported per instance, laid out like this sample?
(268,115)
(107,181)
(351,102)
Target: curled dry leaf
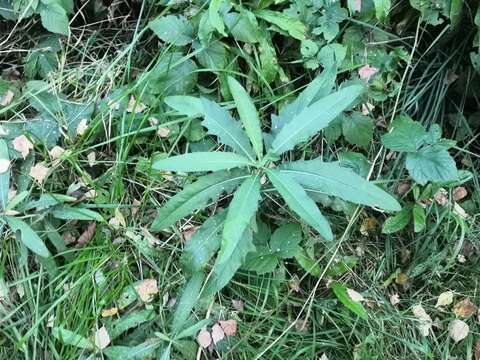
(204,339)
(87,235)
(56,152)
(441,197)
(444,299)
(229,327)
(7,98)
(355,296)
(367,71)
(294,284)
(188,232)
(102,339)
(109,312)
(403,188)
(147,289)
(92,158)
(458,330)
(369,225)
(459,193)
(217,333)
(163,132)
(465,308)
(68,238)
(394,299)
(136,206)
(134,106)
(477,350)
(238,305)
(82,127)
(39,172)
(4,165)
(425,321)
(23,145)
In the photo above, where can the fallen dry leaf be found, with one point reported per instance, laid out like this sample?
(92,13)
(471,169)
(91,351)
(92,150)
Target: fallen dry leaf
(459,193)
(51,321)
(403,188)
(457,209)
(394,299)
(294,283)
(56,152)
(109,312)
(477,350)
(367,71)
(461,259)
(82,127)
(323,357)
(229,327)
(458,330)
(134,106)
(367,108)
(39,172)
(425,321)
(136,206)
(147,289)
(204,339)
(68,238)
(7,98)
(92,158)
(188,232)
(23,145)
(444,299)
(87,235)
(465,308)
(4,165)
(163,132)
(369,225)
(401,279)
(355,296)
(217,333)
(441,197)
(102,339)
(238,305)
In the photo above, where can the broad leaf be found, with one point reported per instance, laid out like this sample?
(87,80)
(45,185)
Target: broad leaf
(314,118)
(356,307)
(203,244)
(293,26)
(298,200)
(308,264)
(187,301)
(431,163)
(229,132)
(358,129)
(248,114)
(336,180)
(185,105)
(201,161)
(214,16)
(54,17)
(243,26)
(5,175)
(285,241)
(405,135)
(172,29)
(418,213)
(68,337)
(398,221)
(28,237)
(197,195)
(76,213)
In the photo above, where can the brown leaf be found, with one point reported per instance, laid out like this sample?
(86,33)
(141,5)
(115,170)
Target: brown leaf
(394,299)
(477,350)
(403,188)
(459,193)
(134,106)
(294,283)
(87,235)
(369,225)
(136,206)
(39,172)
(465,308)
(147,289)
(188,232)
(204,339)
(229,327)
(109,312)
(458,330)
(23,145)
(441,197)
(217,333)
(68,238)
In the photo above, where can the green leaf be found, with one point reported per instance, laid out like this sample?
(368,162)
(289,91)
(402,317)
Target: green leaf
(118,326)
(138,352)
(308,264)
(298,200)
(240,213)
(314,118)
(248,114)
(243,26)
(382,8)
(418,218)
(4,176)
(41,98)
(201,161)
(229,132)
(214,16)
(197,195)
(185,105)
(28,237)
(224,270)
(74,113)
(397,222)
(261,261)
(54,17)
(285,241)
(405,135)
(68,337)
(193,330)
(358,129)
(172,29)
(203,244)
(431,163)
(356,307)
(332,15)
(288,23)
(187,301)
(76,213)
(212,56)
(336,180)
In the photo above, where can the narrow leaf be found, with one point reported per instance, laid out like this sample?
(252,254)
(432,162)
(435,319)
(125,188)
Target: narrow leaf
(185,105)
(248,114)
(4,174)
(335,180)
(298,200)
(187,301)
(68,337)
(201,161)
(314,118)
(28,237)
(214,16)
(197,195)
(76,213)
(356,307)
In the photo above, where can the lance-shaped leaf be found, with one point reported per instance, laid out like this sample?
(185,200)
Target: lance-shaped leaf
(27,236)
(298,200)
(201,161)
(333,179)
(185,105)
(240,212)
(197,196)
(224,270)
(248,114)
(229,131)
(320,87)
(4,174)
(314,118)
(187,301)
